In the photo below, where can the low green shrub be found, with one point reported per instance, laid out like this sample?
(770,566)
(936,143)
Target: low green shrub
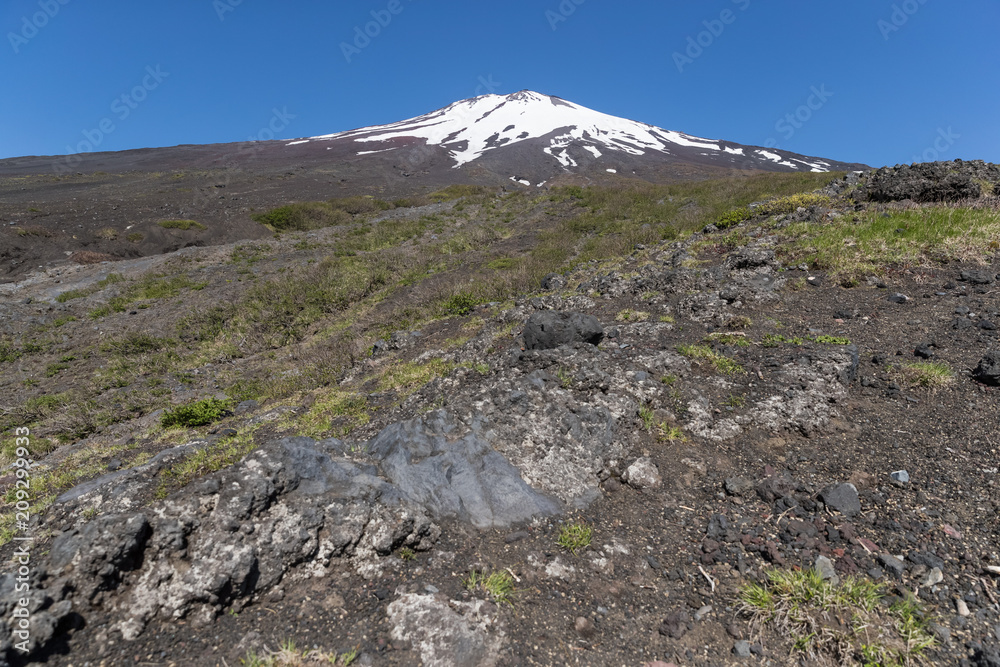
(183,225)
(192,415)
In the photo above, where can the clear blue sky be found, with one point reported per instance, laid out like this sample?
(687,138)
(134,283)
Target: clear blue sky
(923,82)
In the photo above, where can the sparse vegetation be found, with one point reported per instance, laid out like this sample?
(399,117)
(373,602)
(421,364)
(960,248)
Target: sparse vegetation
(289,655)
(500,585)
(183,225)
(921,237)
(628,315)
(575,537)
(928,374)
(721,363)
(802,605)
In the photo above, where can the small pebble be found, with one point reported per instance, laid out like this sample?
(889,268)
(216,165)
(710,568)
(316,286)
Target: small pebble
(962,608)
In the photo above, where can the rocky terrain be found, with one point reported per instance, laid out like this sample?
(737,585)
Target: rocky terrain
(756,426)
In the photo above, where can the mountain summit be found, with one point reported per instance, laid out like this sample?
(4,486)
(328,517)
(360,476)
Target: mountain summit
(571,138)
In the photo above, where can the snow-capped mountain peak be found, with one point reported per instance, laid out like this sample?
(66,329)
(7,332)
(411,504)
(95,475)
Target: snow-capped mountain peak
(564,131)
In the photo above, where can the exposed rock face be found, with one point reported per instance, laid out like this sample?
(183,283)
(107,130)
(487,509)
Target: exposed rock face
(931,182)
(547,330)
(454,472)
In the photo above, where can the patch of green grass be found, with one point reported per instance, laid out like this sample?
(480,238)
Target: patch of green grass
(54,369)
(774,340)
(461,303)
(155,286)
(721,363)
(72,294)
(407,554)
(248,253)
(136,343)
(728,339)
(735,401)
(409,377)
(629,315)
(303,216)
(214,457)
(800,603)
(193,415)
(500,585)
(831,340)
(575,537)
(777,206)
(667,433)
(135,237)
(928,374)
(183,225)
(9,353)
(926,236)
(647,417)
(503,264)
(335,413)
(667,319)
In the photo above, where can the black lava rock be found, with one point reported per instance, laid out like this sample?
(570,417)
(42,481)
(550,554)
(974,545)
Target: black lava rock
(988,370)
(549,329)
(843,498)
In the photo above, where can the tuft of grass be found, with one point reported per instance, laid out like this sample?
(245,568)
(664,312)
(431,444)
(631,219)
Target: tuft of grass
(739,340)
(575,537)
(461,304)
(647,417)
(929,374)
(721,363)
(847,622)
(71,294)
(831,340)
(289,655)
(499,584)
(629,315)
(193,415)
(183,225)
(669,433)
(107,233)
(409,377)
